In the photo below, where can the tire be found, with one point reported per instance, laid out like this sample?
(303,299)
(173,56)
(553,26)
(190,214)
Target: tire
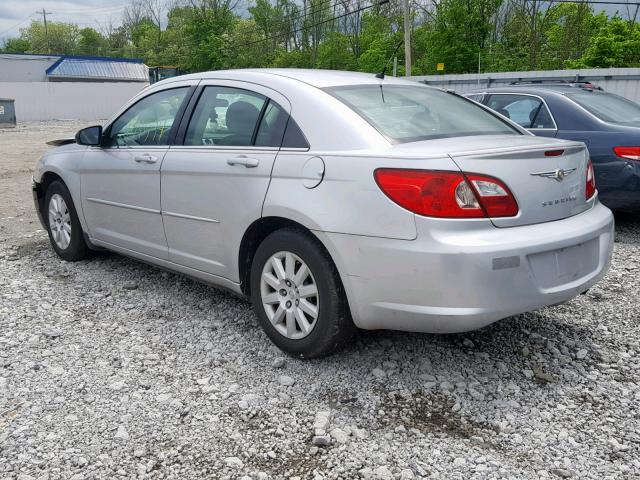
(332,326)
(66,236)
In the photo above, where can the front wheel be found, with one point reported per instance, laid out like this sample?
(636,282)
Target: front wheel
(298,296)
(65,231)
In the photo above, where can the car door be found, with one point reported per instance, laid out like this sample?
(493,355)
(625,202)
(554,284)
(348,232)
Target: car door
(120,180)
(214,184)
(528,111)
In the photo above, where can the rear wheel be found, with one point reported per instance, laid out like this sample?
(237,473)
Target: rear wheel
(65,231)
(298,296)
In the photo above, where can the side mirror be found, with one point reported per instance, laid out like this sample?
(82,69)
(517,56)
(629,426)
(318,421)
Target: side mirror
(91,136)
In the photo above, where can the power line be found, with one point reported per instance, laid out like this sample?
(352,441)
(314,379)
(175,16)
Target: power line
(91,9)
(310,10)
(16,25)
(308,27)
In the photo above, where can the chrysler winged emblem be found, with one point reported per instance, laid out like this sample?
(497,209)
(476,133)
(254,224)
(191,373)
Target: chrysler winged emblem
(557,175)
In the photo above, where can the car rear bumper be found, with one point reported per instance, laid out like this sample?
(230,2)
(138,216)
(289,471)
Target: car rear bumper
(619,184)
(453,279)
(622,200)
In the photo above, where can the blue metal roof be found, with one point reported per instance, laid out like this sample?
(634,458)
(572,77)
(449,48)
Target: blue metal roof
(99,68)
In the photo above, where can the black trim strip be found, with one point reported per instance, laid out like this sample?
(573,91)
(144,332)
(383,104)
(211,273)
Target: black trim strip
(187,114)
(254,135)
(177,121)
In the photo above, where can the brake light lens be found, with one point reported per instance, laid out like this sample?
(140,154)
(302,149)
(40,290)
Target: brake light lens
(630,153)
(495,197)
(445,194)
(553,153)
(590,189)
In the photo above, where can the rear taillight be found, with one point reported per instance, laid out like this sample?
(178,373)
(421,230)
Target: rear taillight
(590,189)
(630,153)
(444,194)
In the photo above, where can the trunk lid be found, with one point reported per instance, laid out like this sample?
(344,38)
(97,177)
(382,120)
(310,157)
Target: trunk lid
(547,188)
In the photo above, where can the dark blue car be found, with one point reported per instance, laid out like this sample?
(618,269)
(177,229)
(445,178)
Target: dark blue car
(607,123)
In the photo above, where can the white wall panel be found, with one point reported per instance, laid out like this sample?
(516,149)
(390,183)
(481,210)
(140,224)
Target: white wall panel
(67,100)
(25,68)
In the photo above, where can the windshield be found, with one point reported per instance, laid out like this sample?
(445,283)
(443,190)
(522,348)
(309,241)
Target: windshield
(608,107)
(408,114)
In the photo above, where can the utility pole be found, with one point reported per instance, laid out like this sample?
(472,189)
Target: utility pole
(407,39)
(44,14)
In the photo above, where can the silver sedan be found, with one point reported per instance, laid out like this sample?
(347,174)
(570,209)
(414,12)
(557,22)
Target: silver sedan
(334,201)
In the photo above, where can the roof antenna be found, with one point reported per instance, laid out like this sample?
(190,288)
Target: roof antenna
(381,74)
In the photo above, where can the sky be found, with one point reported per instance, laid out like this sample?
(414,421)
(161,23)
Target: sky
(15,14)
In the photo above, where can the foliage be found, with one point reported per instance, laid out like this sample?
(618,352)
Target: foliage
(502,35)
(616,44)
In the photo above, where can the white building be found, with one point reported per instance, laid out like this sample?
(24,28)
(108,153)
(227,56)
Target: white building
(47,87)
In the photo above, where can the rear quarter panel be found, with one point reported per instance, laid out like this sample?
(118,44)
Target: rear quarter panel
(348,200)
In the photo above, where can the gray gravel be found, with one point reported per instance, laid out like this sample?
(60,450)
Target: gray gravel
(113,369)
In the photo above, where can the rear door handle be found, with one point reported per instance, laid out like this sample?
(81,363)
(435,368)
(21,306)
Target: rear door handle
(146,158)
(242,160)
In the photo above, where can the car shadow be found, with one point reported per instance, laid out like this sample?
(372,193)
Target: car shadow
(627,227)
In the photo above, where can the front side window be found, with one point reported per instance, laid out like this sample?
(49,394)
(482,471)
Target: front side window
(408,114)
(608,107)
(149,121)
(528,112)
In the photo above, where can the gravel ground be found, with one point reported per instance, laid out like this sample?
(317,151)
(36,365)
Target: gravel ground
(113,369)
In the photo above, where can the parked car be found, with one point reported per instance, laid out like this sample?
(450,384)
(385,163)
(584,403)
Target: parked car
(608,124)
(333,200)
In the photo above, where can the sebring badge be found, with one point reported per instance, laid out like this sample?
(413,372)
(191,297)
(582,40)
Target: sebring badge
(559,201)
(557,175)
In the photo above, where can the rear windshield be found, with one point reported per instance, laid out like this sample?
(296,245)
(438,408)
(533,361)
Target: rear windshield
(408,114)
(608,107)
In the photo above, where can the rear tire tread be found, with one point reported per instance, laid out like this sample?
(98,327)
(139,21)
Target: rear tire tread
(335,316)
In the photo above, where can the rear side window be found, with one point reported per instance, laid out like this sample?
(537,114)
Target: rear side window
(475,97)
(293,136)
(527,111)
(272,126)
(412,113)
(608,107)
(277,129)
(225,116)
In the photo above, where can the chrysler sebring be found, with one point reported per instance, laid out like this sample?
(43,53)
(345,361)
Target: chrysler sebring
(334,201)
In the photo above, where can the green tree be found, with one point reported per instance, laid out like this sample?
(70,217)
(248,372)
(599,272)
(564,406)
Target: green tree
(90,42)
(378,40)
(335,53)
(58,37)
(246,47)
(617,44)
(16,45)
(207,32)
(459,31)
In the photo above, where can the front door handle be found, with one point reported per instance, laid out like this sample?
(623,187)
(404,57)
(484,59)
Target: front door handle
(146,158)
(243,160)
